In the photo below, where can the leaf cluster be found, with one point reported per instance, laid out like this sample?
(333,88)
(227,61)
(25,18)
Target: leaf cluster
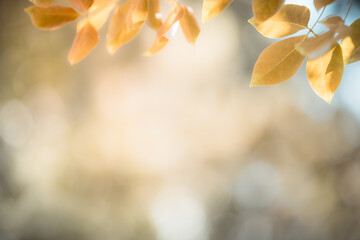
(272,18)
(126,21)
(325,56)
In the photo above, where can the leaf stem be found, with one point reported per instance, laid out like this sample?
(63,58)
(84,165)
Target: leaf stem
(322,12)
(348,10)
(311,31)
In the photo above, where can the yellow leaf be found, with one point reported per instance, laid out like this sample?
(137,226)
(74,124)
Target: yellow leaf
(118,33)
(42,3)
(336,23)
(211,8)
(333,22)
(322,3)
(175,15)
(52,17)
(351,44)
(189,25)
(100,4)
(83,5)
(316,46)
(160,43)
(153,19)
(137,13)
(287,21)
(85,41)
(264,9)
(97,18)
(325,73)
(278,62)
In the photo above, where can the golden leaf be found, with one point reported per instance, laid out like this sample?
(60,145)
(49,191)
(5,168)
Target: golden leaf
(83,5)
(175,15)
(316,46)
(153,19)
(98,17)
(278,62)
(189,25)
(42,3)
(322,3)
(100,4)
(336,23)
(287,21)
(211,8)
(333,22)
(264,9)
(325,73)
(351,44)
(118,33)
(52,17)
(160,43)
(137,13)
(85,41)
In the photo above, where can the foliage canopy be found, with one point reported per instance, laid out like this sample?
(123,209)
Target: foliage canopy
(272,18)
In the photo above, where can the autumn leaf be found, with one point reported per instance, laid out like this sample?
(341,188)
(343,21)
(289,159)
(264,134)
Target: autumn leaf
(316,46)
(137,13)
(337,24)
(52,17)
(118,32)
(83,5)
(85,41)
(42,3)
(287,21)
(322,3)
(174,16)
(278,62)
(211,8)
(189,26)
(153,19)
(160,43)
(97,17)
(100,4)
(325,73)
(264,9)
(351,44)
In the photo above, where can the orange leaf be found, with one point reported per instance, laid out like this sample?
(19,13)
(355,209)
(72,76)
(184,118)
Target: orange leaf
(97,17)
(264,9)
(85,41)
(160,43)
(118,33)
(189,26)
(100,4)
(325,73)
(278,62)
(42,3)
(175,15)
(322,3)
(137,13)
(351,44)
(211,8)
(153,19)
(287,21)
(83,5)
(52,17)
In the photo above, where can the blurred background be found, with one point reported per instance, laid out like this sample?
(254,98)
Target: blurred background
(171,147)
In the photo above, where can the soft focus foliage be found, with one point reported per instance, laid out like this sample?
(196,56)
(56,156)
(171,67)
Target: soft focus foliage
(271,18)
(172,147)
(281,61)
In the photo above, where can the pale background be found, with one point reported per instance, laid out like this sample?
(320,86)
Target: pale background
(174,146)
